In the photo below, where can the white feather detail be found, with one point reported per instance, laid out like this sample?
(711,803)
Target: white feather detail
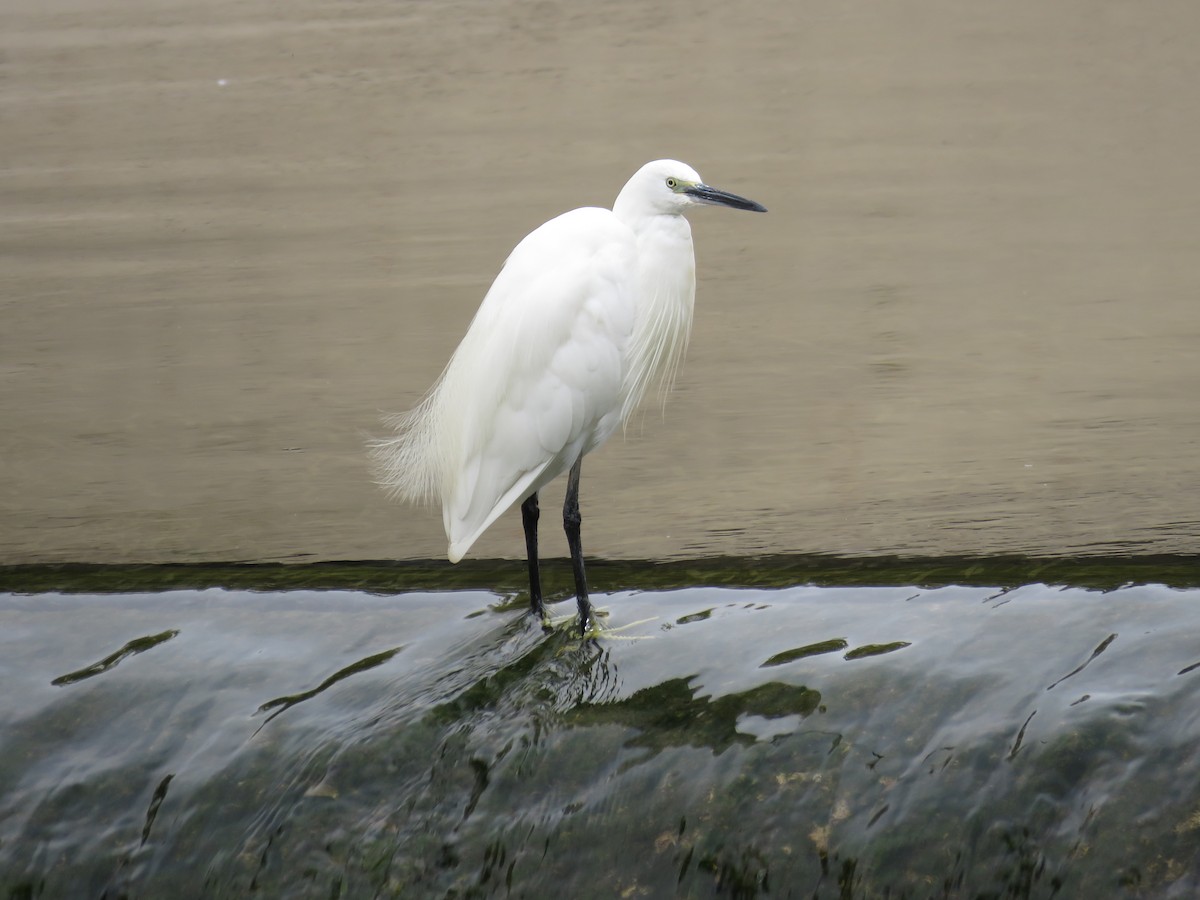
(536,381)
(588,313)
(667,276)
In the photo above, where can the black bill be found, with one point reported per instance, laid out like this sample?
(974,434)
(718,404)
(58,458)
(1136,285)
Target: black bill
(717,197)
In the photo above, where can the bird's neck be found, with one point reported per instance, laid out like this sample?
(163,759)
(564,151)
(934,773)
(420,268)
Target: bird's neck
(666,292)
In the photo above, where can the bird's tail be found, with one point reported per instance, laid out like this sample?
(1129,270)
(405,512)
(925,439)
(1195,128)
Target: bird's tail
(407,464)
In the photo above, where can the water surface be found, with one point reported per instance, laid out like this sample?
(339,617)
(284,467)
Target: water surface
(1011,740)
(234,233)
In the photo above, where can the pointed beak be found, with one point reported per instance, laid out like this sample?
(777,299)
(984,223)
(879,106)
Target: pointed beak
(702,193)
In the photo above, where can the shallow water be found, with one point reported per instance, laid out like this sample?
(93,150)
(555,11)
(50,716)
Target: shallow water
(1009,740)
(235,232)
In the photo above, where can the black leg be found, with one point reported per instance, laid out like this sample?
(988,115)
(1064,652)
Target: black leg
(571,521)
(529,518)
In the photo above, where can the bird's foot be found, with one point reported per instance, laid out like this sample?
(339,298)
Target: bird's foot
(613,633)
(592,628)
(596,628)
(571,622)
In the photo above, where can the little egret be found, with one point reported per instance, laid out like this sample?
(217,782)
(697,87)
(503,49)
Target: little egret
(588,312)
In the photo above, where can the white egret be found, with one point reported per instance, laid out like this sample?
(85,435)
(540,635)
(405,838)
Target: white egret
(588,311)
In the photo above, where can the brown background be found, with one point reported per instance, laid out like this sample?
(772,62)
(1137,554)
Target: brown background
(233,233)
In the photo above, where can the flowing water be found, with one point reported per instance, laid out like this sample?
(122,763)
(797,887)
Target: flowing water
(233,234)
(807,741)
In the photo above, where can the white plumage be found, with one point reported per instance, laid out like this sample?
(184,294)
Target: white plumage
(590,311)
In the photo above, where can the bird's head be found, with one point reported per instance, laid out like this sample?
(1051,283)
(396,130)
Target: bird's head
(669,187)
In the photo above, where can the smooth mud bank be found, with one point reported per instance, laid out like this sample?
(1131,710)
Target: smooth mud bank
(1029,740)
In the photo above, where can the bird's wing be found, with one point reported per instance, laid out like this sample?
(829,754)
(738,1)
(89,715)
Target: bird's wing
(537,380)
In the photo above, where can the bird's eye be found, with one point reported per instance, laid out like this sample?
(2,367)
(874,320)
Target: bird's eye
(672,183)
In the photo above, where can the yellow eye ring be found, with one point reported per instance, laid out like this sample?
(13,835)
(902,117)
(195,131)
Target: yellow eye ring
(672,183)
